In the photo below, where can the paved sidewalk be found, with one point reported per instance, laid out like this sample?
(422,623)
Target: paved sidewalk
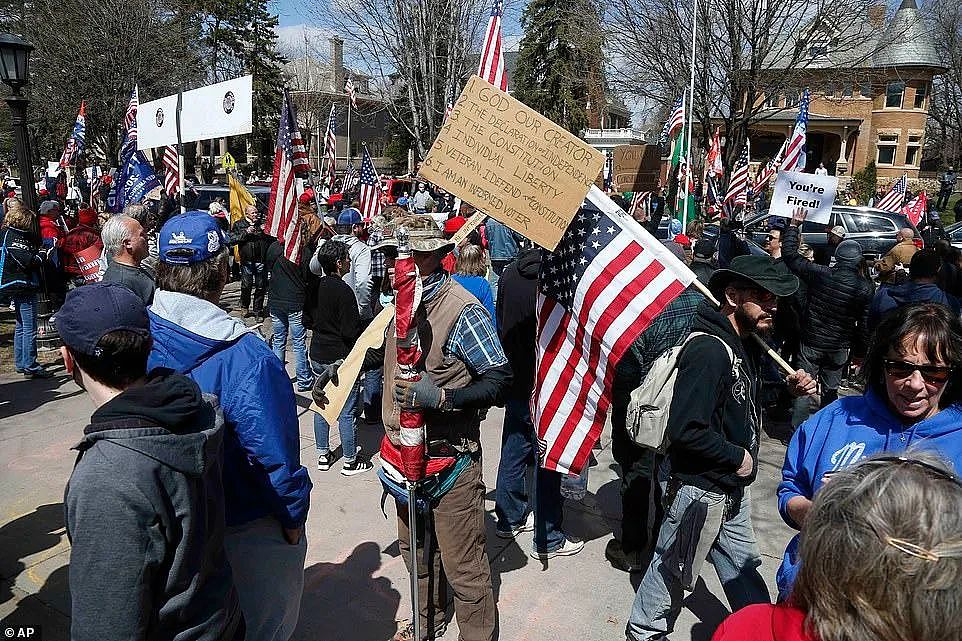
(356,585)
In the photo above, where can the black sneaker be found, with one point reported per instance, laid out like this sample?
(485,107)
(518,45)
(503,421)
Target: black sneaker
(38,373)
(357,466)
(324,461)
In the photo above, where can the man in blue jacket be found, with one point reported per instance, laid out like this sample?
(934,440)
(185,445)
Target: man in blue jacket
(266,488)
(921,288)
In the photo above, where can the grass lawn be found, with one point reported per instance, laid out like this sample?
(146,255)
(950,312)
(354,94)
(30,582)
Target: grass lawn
(948,216)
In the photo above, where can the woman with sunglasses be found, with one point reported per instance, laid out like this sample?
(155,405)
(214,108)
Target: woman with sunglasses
(913,398)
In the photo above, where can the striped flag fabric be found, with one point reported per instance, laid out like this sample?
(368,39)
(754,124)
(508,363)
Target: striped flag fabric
(915,209)
(892,201)
(770,169)
(640,202)
(599,289)
(330,152)
(370,188)
(795,153)
(75,144)
(675,121)
(171,161)
(351,92)
(737,193)
(129,146)
(290,160)
(491,66)
(351,178)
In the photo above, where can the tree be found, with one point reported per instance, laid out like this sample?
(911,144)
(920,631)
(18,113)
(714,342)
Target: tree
(944,137)
(560,60)
(865,182)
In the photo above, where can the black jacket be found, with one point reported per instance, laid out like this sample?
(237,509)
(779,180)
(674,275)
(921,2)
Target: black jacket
(145,517)
(336,323)
(515,309)
(20,266)
(252,243)
(715,415)
(287,287)
(836,314)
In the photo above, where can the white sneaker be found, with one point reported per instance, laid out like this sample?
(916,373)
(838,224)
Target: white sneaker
(527,526)
(570,547)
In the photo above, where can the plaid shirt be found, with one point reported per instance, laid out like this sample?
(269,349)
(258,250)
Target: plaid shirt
(378,266)
(473,339)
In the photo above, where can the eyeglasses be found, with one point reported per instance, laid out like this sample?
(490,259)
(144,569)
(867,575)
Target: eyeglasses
(761,295)
(934,470)
(931,374)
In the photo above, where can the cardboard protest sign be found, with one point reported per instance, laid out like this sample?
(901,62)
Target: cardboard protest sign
(636,168)
(512,163)
(794,189)
(215,111)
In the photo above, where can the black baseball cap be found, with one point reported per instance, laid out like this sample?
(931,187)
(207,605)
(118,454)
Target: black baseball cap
(91,311)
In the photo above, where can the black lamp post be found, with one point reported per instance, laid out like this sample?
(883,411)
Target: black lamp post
(14,72)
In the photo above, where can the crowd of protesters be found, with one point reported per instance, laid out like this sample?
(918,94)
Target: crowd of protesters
(189,487)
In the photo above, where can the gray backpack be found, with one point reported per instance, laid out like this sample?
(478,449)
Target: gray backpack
(647,419)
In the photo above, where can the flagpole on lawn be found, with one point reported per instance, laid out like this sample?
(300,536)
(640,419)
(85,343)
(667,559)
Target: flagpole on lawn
(691,111)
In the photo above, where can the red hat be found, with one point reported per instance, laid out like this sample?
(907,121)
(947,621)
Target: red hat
(43,192)
(306,197)
(87,216)
(11,194)
(452,225)
(106,180)
(682,239)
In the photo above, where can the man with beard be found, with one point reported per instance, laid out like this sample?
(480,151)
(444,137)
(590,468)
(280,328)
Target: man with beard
(713,426)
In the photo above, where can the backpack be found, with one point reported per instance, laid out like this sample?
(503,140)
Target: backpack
(648,408)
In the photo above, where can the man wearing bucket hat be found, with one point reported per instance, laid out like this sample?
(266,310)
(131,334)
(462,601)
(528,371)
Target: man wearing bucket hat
(713,432)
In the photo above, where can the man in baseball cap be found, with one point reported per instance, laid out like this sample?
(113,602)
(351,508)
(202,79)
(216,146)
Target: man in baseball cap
(145,501)
(267,489)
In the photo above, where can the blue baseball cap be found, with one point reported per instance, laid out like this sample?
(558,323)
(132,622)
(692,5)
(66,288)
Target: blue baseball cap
(349,216)
(190,238)
(91,311)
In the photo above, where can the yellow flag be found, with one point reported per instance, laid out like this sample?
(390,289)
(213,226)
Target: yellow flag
(239,198)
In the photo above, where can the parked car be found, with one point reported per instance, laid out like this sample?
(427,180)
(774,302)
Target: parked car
(874,229)
(206,194)
(954,232)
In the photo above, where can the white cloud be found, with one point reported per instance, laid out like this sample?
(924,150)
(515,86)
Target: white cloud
(293,37)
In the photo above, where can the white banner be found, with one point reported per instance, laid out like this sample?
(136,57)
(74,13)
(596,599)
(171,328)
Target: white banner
(794,189)
(215,111)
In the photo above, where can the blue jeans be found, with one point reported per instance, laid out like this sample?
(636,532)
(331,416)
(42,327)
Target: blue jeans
(25,332)
(346,424)
(512,502)
(373,385)
(730,544)
(282,321)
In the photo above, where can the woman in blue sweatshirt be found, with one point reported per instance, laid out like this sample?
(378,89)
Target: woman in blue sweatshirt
(912,399)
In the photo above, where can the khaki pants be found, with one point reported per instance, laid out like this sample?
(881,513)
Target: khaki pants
(458,535)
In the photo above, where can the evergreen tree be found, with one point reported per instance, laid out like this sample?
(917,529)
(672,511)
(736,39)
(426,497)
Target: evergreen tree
(560,60)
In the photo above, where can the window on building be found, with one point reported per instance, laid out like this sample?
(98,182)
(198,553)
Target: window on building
(846,90)
(887,144)
(865,89)
(771,100)
(791,98)
(830,90)
(913,151)
(921,93)
(893,94)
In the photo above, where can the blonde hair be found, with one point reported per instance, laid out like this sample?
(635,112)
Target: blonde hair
(20,217)
(881,553)
(472,261)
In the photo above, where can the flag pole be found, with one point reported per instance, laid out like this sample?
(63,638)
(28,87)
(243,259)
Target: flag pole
(350,156)
(180,153)
(691,111)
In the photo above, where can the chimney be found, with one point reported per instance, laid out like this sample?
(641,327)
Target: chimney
(876,16)
(337,64)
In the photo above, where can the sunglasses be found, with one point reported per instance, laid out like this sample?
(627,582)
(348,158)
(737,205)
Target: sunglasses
(761,295)
(931,374)
(934,470)
(771,238)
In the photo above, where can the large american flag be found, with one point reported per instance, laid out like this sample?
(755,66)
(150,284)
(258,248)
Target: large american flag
(599,289)
(351,178)
(892,201)
(794,159)
(330,151)
(75,144)
(370,188)
(290,159)
(675,120)
(491,66)
(737,193)
(770,169)
(351,91)
(171,170)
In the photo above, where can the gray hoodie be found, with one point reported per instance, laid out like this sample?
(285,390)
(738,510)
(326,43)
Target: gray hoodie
(145,517)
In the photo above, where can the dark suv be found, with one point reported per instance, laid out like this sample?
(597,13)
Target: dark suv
(874,229)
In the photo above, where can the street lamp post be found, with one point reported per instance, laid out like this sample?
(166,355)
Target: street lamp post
(14,72)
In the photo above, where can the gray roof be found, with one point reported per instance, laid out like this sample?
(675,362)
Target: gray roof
(910,41)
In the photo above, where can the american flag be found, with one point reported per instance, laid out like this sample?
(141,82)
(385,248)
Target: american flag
(75,144)
(171,170)
(640,202)
(712,197)
(370,188)
(675,121)
(794,159)
(770,169)
(130,125)
(330,149)
(738,185)
(892,201)
(491,66)
(290,159)
(599,289)
(351,178)
(351,91)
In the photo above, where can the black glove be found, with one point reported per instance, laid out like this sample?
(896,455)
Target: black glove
(417,395)
(327,374)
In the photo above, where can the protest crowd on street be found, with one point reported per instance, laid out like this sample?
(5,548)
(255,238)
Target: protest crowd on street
(694,315)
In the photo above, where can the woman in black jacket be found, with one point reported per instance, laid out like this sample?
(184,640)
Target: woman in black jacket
(20,267)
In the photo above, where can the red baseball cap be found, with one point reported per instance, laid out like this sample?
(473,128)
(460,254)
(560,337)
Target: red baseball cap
(452,225)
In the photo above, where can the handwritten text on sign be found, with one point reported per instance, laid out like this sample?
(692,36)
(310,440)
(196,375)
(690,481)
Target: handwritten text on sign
(794,189)
(512,163)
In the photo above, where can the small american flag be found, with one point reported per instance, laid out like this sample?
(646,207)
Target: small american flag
(892,201)
(795,153)
(290,159)
(351,178)
(351,91)
(601,287)
(640,202)
(370,188)
(330,149)
(675,121)
(491,66)
(770,169)
(75,144)
(130,125)
(171,170)
(713,159)
(738,185)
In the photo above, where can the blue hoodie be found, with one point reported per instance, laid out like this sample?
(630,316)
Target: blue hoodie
(842,434)
(889,297)
(263,475)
